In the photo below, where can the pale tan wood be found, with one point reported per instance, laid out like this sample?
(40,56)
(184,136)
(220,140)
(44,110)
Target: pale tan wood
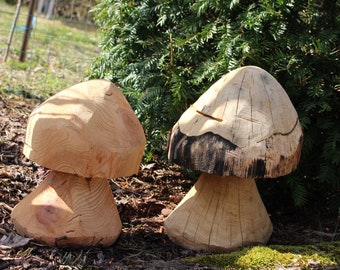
(69,210)
(250,103)
(243,126)
(219,213)
(248,123)
(88,129)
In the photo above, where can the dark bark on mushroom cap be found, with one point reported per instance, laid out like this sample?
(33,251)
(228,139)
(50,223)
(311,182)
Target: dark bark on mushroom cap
(244,125)
(88,129)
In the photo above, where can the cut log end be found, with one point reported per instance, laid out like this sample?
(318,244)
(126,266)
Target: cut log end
(219,214)
(69,210)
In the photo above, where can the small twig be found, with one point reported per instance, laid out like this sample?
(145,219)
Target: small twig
(7,207)
(120,189)
(136,180)
(115,183)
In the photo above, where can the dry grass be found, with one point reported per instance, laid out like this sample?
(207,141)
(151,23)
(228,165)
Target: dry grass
(59,54)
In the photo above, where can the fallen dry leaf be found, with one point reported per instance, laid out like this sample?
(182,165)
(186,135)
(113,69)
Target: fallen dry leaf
(13,240)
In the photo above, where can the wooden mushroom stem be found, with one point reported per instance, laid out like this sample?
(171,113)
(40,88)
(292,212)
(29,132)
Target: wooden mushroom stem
(69,210)
(219,213)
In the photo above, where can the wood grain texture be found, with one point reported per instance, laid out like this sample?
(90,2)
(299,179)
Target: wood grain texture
(69,210)
(243,125)
(88,129)
(219,214)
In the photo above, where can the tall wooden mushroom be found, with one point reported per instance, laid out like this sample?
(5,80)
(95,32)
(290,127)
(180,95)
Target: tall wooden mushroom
(243,127)
(84,135)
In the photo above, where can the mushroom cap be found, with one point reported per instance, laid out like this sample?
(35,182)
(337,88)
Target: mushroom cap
(88,129)
(244,125)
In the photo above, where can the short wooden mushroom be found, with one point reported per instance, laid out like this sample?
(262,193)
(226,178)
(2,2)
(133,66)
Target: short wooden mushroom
(243,127)
(84,134)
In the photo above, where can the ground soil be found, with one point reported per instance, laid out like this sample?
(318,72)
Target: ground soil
(143,201)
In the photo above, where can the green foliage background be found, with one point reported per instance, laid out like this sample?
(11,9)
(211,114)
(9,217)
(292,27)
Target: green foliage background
(164,54)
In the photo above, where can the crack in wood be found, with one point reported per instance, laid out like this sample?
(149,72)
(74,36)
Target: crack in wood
(207,115)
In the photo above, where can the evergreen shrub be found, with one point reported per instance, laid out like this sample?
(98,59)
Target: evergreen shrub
(164,54)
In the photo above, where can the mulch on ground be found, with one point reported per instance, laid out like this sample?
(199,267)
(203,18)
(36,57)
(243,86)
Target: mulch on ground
(143,201)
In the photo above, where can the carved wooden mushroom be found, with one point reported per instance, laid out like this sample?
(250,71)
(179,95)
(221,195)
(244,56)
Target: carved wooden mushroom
(84,135)
(243,127)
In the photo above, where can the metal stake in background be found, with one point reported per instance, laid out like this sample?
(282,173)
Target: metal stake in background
(27,31)
(14,24)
